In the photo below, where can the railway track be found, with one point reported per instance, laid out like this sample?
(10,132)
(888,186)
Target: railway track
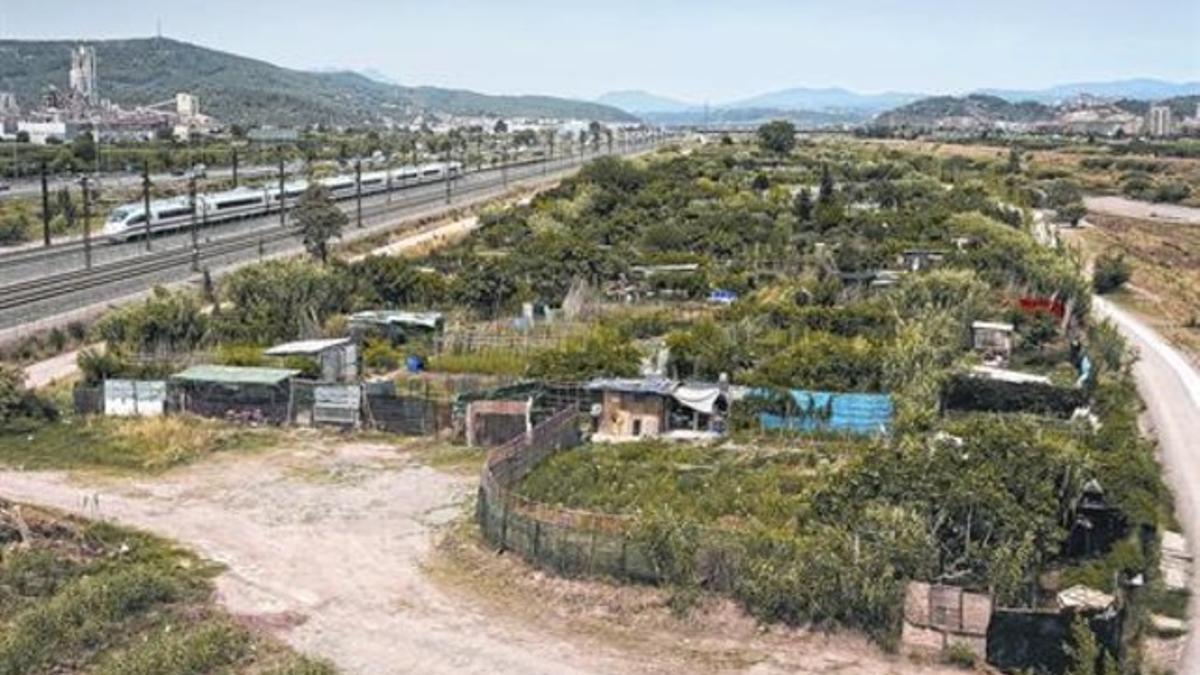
(25,256)
(29,292)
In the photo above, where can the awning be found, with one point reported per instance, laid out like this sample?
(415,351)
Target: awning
(699,397)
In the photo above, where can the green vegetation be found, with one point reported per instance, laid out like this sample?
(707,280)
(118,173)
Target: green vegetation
(243,91)
(778,137)
(79,597)
(140,444)
(1110,272)
(319,221)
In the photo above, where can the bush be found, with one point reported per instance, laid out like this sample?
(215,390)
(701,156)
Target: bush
(17,402)
(1110,272)
(381,356)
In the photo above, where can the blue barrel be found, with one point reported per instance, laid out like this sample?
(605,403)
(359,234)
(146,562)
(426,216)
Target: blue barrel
(414,364)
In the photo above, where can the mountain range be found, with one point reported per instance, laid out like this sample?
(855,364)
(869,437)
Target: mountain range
(837,105)
(236,89)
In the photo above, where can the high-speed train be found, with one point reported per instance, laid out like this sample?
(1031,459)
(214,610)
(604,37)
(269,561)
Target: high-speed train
(129,220)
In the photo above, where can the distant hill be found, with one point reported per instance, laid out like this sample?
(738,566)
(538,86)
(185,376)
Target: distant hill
(1181,106)
(636,101)
(978,107)
(236,89)
(739,117)
(1139,88)
(827,99)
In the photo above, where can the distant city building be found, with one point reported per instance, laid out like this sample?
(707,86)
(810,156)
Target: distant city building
(84,85)
(45,132)
(8,104)
(1160,120)
(187,105)
(273,135)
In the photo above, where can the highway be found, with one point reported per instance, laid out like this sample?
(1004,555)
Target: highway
(40,283)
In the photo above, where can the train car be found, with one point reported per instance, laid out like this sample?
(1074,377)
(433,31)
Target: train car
(128,220)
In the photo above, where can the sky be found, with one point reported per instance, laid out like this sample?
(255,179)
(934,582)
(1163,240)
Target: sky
(696,50)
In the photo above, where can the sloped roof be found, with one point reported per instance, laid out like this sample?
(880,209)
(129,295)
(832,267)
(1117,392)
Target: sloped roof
(399,318)
(306,347)
(235,375)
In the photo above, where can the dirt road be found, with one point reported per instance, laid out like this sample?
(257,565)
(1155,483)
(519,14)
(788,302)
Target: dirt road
(1170,386)
(327,544)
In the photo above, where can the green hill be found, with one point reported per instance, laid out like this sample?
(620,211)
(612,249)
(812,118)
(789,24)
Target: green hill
(927,111)
(235,89)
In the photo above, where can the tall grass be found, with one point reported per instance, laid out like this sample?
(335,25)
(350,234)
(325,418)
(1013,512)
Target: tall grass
(183,650)
(137,444)
(86,613)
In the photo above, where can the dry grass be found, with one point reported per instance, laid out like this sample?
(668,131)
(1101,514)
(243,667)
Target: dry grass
(636,624)
(1165,288)
(127,445)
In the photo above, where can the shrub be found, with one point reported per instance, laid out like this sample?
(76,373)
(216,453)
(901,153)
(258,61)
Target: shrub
(381,356)
(1110,272)
(17,403)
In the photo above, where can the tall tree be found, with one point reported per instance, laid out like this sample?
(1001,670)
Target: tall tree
(825,193)
(778,137)
(802,205)
(320,220)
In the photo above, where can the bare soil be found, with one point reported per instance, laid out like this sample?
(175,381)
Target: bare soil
(361,551)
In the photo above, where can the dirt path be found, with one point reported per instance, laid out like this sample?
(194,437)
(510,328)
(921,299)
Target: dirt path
(47,372)
(326,544)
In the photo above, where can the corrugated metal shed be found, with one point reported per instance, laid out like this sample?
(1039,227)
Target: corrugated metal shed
(235,375)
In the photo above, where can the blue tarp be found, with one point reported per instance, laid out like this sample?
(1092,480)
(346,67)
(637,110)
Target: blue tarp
(831,411)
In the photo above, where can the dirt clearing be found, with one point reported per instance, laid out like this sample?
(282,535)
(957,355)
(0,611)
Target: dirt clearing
(333,545)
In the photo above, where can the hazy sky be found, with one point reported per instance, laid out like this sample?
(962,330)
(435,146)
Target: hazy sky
(698,50)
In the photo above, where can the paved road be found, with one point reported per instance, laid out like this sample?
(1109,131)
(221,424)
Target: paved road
(1132,208)
(1170,386)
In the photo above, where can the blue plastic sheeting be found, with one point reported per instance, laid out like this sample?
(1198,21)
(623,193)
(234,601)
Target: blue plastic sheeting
(854,413)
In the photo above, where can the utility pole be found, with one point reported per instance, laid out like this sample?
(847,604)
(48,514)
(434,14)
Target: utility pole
(282,193)
(235,168)
(504,164)
(146,199)
(358,191)
(389,179)
(45,208)
(446,170)
(195,241)
(87,224)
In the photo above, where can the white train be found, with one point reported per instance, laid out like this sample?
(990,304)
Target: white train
(129,220)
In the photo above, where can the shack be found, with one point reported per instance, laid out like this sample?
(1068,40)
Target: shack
(992,339)
(244,394)
(337,358)
(631,408)
(919,260)
(655,407)
(396,325)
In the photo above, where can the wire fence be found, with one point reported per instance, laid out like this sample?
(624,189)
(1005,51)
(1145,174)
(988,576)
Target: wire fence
(570,542)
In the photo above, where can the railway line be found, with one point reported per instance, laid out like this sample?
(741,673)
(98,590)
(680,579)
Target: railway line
(36,297)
